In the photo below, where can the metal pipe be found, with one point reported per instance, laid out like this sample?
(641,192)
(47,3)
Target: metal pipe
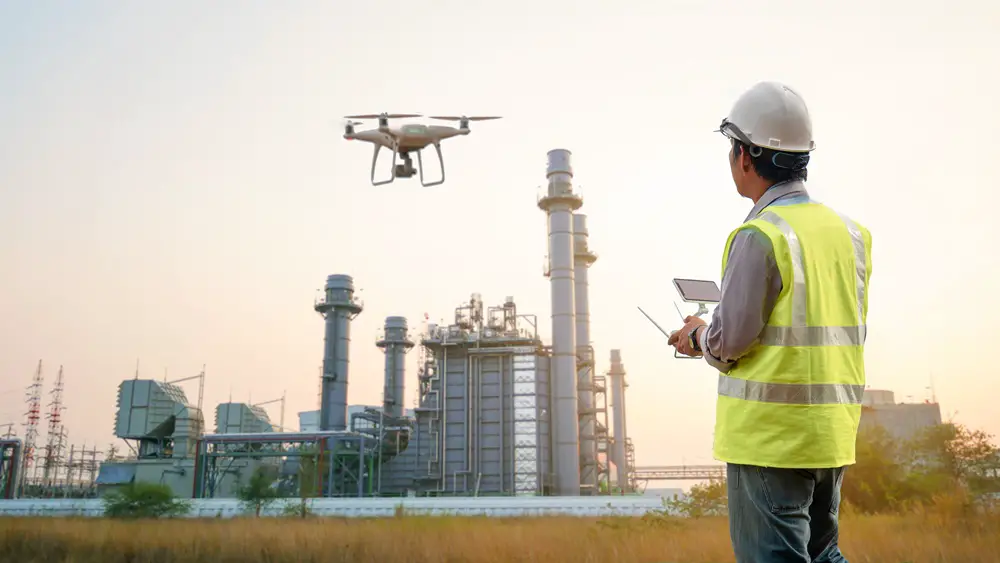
(583,258)
(503,429)
(617,376)
(338,307)
(279,437)
(559,203)
(477,443)
(512,415)
(395,343)
(443,436)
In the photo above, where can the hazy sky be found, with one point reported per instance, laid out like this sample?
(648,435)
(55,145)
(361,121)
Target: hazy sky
(174,186)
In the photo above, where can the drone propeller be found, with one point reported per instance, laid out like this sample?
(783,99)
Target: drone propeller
(383,115)
(464,118)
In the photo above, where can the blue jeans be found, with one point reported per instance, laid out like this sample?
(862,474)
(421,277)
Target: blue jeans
(784,515)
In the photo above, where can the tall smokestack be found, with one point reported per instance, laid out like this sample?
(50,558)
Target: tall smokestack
(396,344)
(559,203)
(582,260)
(338,307)
(617,376)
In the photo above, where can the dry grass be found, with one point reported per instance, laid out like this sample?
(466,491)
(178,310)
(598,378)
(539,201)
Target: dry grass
(885,539)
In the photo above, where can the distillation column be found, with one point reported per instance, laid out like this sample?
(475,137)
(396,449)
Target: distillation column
(559,203)
(617,376)
(338,307)
(582,260)
(396,344)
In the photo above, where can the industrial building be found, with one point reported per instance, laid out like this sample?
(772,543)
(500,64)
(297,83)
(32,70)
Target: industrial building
(500,411)
(902,420)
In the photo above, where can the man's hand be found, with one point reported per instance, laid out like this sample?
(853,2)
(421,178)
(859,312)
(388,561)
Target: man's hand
(679,339)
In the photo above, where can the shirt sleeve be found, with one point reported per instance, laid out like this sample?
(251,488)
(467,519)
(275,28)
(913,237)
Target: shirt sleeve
(750,287)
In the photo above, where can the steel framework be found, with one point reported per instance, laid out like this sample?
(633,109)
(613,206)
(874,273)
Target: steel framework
(342,463)
(679,473)
(10,463)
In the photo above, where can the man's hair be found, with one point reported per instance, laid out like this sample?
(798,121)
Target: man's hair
(764,165)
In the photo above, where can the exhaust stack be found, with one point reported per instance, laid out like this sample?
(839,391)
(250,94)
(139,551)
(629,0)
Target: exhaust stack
(617,376)
(582,260)
(559,203)
(338,307)
(395,343)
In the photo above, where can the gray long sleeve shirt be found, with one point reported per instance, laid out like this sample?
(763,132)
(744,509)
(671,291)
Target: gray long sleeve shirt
(750,286)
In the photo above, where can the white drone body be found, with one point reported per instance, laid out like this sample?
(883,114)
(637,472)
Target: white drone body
(406,139)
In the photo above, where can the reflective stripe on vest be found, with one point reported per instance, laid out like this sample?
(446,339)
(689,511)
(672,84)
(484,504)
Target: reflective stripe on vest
(799,334)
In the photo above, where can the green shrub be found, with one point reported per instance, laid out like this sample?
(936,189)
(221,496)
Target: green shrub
(144,500)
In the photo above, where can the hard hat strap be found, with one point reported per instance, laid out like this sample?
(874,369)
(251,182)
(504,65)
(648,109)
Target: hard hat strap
(730,130)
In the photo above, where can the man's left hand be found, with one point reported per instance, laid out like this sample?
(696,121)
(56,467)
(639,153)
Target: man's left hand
(680,338)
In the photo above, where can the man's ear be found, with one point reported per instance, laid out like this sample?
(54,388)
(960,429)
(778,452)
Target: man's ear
(745,162)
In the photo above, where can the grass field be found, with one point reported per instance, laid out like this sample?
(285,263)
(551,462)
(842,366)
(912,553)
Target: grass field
(883,539)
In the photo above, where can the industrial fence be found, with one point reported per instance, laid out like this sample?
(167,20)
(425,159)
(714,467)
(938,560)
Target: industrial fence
(371,507)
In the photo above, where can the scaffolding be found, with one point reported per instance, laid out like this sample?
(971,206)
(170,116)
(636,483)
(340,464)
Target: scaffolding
(601,434)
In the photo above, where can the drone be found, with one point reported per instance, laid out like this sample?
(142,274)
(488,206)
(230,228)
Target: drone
(406,139)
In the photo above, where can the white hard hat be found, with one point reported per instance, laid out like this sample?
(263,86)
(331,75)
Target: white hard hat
(770,115)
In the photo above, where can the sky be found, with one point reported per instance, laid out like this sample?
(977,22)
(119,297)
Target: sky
(174,186)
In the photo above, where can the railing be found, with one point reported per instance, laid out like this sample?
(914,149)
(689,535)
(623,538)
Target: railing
(679,473)
(542,192)
(321,300)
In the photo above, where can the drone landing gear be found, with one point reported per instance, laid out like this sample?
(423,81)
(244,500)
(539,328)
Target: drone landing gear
(420,163)
(406,169)
(375,160)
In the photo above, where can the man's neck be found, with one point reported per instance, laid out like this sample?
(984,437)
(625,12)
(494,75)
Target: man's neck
(774,192)
(761,193)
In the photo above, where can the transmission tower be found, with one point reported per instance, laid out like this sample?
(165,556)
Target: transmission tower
(53,450)
(32,417)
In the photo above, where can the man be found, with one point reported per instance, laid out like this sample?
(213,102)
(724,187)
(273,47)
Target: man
(787,339)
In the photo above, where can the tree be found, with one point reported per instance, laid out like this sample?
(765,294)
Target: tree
(951,455)
(308,472)
(878,480)
(144,500)
(711,499)
(258,493)
(942,463)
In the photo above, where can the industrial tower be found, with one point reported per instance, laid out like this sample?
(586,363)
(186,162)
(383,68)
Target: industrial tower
(56,435)
(31,424)
(559,203)
(338,307)
(583,258)
(395,343)
(619,451)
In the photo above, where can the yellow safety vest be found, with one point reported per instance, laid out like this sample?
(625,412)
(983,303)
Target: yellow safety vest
(794,400)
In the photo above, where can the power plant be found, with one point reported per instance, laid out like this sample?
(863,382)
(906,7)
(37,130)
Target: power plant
(499,412)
